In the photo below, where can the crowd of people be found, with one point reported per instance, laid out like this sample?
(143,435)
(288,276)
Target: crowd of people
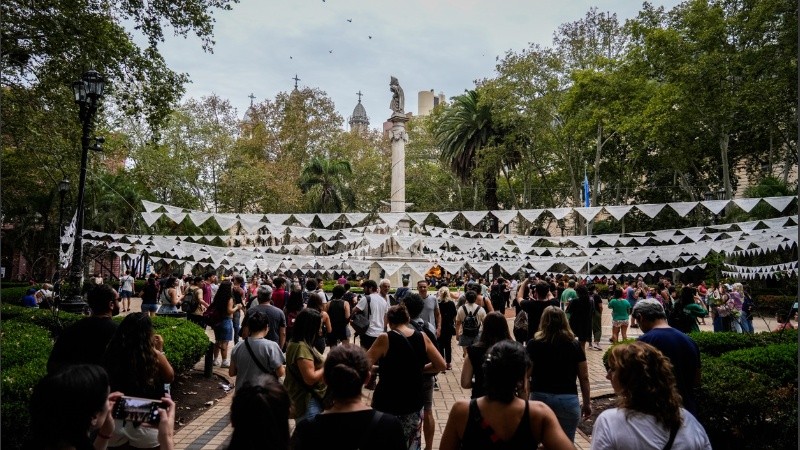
(297,353)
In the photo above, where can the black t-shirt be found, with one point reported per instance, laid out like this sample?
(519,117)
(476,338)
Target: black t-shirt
(534,309)
(555,366)
(349,431)
(275,317)
(84,342)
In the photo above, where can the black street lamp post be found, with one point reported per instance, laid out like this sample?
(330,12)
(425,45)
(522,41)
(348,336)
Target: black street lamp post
(88,92)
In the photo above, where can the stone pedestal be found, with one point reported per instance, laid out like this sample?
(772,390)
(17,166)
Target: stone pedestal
(398,138)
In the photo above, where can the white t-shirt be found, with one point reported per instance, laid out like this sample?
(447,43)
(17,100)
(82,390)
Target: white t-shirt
(127,283)
(428,313)
(377,308)
(461,315)
(613,430)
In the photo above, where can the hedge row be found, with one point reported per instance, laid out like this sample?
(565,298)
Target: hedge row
(26,343)
(768,305)
(715,344)
(746,407)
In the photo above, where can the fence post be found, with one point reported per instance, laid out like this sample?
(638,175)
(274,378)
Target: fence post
(208,369)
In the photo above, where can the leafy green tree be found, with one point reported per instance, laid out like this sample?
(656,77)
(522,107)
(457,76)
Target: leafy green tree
(324,183)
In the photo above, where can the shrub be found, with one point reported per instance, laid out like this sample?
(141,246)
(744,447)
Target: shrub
(768,305)
(715,344)
(184,342)
(778,361)
(22,342)
(41,317)
(740,408)
(608,351)
(13,295)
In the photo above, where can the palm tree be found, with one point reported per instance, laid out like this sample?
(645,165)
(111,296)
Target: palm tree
(325,179)
(462,131)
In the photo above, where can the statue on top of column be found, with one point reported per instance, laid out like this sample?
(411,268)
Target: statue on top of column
(398,102)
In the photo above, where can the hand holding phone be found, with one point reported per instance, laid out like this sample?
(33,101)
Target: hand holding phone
(137,410)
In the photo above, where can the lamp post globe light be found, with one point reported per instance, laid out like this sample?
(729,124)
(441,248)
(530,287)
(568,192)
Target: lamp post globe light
(88,93)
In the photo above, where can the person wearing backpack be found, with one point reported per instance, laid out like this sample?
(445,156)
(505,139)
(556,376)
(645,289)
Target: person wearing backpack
(468,321)
(194,303)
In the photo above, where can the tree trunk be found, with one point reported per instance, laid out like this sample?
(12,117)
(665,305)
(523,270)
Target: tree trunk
(491,199)
(726,179)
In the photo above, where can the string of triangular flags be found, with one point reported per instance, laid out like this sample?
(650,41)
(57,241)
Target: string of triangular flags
(253,222)
(754,272)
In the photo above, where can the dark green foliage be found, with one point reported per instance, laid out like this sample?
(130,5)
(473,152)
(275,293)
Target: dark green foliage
(778,361)
(13,295)
(715,344)
(26,343)
(768,305)
(743,409)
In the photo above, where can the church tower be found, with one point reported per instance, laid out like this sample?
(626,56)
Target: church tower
(359,122)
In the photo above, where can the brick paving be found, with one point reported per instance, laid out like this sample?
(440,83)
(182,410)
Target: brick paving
(212,428)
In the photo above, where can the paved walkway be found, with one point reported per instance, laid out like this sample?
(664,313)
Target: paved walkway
(212,428)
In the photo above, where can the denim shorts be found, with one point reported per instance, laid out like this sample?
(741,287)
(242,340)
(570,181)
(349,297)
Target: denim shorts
(565,406)
(224,330)
(149,307)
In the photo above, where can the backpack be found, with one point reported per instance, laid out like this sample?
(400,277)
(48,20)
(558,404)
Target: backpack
(471,325)
(521,321)
(681,320)
(189,304)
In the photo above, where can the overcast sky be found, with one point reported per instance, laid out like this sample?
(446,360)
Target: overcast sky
(436,44)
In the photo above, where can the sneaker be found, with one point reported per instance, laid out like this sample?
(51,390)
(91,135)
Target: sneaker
(435,385)
(216,363)
(449,367)
(226,363)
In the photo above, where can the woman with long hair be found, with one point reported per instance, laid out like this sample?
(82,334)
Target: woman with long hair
(260,416)
(149,295)
(136,365)
(220,317)
(648,413)
(447,310)
(78,398)
(349,423)
(689,303)
(240,303)
(293,307)
(495,329)
(403,354)
(557,361)
(501,418)
(304,366)
(170,298)
(315,302)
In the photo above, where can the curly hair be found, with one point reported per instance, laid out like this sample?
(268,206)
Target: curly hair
(130,358)
(646,381)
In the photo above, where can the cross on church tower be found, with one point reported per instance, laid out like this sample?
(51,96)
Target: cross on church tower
(359,94)
(295,81)
(251,97)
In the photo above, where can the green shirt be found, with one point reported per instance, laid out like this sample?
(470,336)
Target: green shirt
(568,295)
(620,309)
(299,392)
(695,310)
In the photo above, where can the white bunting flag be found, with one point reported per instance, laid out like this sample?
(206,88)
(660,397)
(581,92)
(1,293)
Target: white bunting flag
(278,219)
(151,217)
(779,203)
(747,204)
(175,217)
(391,267)
(392,219)
(589,213)
(651,209)
(482,267)
(682,208)
(505,216)
(451,266)
(474,217)
(150,206)
(355,218)
(715,206)
(618,212)
(531,215)
(304,219)
(559,213)
(418,217)
(198,217)
(328,219)
(446,217)
(420,268)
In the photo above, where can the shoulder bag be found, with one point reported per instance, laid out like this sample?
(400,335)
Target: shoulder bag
(360,320)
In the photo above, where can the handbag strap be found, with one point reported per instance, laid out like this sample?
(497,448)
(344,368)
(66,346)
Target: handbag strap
(672,433)
(253,355)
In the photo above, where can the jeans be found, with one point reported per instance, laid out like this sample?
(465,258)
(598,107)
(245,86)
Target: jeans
(237,324)
(747,325)
(565,406)
(314,408)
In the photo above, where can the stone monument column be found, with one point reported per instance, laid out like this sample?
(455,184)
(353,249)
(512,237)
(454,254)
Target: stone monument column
(399,138)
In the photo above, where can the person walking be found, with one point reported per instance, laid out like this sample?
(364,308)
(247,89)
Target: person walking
(448,313)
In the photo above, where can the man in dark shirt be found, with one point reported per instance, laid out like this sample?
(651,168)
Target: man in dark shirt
(534,307)
(85,342)
(675,345)
(275,317)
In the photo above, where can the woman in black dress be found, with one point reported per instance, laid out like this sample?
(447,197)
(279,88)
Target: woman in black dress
(447,309)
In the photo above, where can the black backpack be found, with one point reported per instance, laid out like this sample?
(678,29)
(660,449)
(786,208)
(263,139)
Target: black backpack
(189,303)
(681,320)
(471,325)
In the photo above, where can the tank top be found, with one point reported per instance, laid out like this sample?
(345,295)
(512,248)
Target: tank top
(479,434)
(399,389)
